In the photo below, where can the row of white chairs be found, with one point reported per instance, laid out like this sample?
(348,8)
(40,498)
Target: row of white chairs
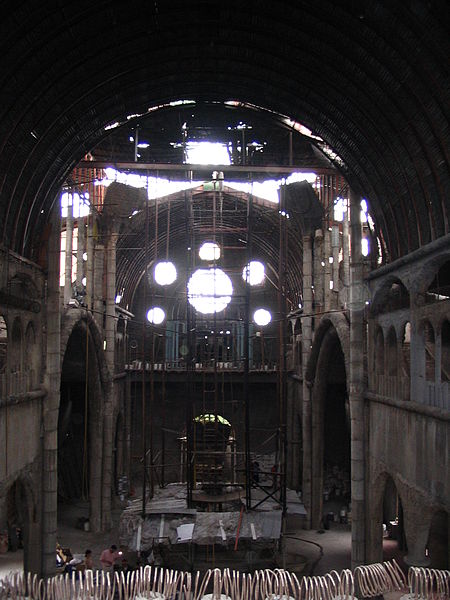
(156,583)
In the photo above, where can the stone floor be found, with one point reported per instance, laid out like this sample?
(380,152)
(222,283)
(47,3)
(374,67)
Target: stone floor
(306,551)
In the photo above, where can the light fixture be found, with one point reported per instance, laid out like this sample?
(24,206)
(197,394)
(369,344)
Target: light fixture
(254,272)
(209,290)
(209,251)
(165,273)
(156,315)
(262,317)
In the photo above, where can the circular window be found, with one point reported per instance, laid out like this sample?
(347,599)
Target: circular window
(209,290)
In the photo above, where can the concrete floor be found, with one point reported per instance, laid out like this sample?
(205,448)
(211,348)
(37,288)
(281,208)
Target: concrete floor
(307,552)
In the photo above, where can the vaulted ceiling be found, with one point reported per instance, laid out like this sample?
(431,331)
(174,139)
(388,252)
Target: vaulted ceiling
(369,77)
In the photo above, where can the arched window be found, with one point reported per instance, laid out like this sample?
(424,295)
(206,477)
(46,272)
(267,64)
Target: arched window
(32,356)
(3,344)
(15,351)
(379,352)
(439,288)
(406,349)
(428,339)
(391,352)
(389,298)
(445,351)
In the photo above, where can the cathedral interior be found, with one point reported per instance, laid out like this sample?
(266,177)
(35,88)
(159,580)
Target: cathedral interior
(225,275)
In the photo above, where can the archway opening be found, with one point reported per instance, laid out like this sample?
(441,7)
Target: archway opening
(18,522)
(336,439)
(437,546)
(394,544)
(73,441)
(3,354)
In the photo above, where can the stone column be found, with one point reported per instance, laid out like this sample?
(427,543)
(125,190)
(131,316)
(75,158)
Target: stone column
(327,269)
(108,433)
(90,262)
(335,244)
(69,252)
(318,271)
(80,250)
(417,522)
(52,380)
(356,381)
(306,350)
(345,259)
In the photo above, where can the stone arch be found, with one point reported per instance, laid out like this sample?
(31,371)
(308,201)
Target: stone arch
(329,357)
(427,274)
(342,327)
(391,295)
(445,351)
(85,385)
(383,505)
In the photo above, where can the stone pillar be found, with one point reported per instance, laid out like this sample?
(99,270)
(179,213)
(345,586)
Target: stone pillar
(96,396)
(318,271)
(417,522)
(108,433)
(81,238)
(356,381)
(52,380)
(69,253)
(335,244)
(345,259)
(90,262)
(306,350)
(327,269)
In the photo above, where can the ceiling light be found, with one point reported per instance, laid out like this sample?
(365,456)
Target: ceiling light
(209,251)
(262,317)
(253,273)
(156,315)
(209,290)
(165,273)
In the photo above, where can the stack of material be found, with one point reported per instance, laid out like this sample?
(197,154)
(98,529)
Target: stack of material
(168,521)
(336,482)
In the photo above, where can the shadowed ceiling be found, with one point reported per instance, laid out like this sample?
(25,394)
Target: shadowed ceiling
(371,78)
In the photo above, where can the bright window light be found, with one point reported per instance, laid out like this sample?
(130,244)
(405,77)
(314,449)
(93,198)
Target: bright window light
(262,317)
(207,153)
(209,251)
(340,208)
(156,315)
(253,273)
(365,247)
(80,204)
(165,273)
(209,290)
